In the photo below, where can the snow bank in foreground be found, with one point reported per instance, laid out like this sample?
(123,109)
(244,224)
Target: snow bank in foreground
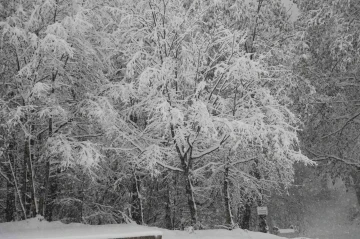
(37,228)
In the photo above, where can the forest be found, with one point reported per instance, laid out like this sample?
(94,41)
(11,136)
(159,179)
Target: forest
(176,113)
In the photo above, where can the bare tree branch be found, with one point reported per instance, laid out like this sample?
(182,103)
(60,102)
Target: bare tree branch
(342,127)
(6,178)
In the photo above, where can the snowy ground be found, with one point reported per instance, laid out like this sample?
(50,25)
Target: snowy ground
(37,229)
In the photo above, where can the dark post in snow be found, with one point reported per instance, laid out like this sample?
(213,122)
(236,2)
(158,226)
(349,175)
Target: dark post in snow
(262,213)
(262,210)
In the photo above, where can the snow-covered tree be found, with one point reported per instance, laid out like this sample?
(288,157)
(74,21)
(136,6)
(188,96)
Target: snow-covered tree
(192,89)
(329,52)
(56,56)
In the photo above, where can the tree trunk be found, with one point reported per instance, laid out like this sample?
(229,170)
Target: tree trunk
(10,187)
(186,162)
(24,198)
(10,197)
(137,208)
(357,190)
(357,186)
(168,218)
(174,209)
(51,196)
(45,189)
(263,227)
(82,199)
(228,214)
(28,158)
(12,174)
(191,199)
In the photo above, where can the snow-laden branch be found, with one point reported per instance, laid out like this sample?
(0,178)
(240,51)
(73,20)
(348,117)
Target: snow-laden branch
(87,136)
(169,167)
(210,150)
(243,161)
(130,139)
(120,148)
(205,166)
